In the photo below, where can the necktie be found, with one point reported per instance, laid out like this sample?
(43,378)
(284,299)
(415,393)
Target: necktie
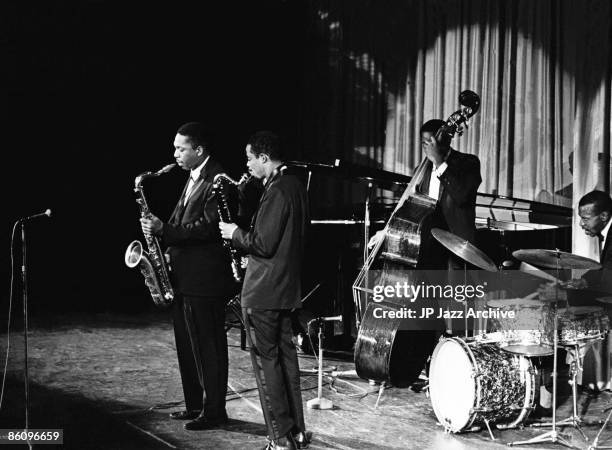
(600,240)
(190,186)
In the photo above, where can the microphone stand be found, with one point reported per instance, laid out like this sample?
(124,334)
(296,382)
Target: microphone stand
(24,287)
(24,291)
(366,254)
(320,402)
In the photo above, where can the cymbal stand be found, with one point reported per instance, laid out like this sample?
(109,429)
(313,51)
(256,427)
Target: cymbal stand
(553,435)
(595,444)
(465,302)
(575,420)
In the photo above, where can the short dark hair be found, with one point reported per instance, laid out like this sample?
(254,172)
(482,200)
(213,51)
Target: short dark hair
(432,126)
(196,134)
(599,199)
(266,142)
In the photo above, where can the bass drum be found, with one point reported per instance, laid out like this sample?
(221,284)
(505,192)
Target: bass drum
(384,353)
(474,383)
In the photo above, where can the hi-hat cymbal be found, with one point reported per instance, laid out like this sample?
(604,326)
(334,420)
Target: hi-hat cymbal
(551,259)
(463,249)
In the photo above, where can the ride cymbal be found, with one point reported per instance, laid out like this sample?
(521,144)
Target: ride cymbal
(463,249)
(552,259)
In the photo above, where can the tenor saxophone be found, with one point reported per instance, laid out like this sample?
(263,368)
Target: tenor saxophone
(239,262)
(152,264)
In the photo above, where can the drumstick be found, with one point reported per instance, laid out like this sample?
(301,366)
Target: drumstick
(531,296)
(533,270)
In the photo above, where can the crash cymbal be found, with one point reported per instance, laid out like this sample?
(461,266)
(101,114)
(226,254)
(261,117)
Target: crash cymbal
(463,249)
(552,259)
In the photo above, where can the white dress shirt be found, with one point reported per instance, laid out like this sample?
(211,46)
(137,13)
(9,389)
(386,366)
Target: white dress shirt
(604,233)
(193,178)
(434,180)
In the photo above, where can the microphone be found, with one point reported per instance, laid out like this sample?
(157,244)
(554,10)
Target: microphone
(320,320)
(36,216)
(331,319)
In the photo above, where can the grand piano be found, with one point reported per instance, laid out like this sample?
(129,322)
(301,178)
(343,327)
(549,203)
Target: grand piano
(503,223)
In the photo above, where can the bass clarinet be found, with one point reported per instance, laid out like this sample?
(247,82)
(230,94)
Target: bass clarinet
(220,182)
(152,264)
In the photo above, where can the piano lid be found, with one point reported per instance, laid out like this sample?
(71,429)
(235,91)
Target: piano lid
(497,209)
(356,172)
(492,209)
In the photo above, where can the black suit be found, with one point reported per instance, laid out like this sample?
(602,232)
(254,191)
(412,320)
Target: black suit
(600,280)
(275,247)
(597,359)
(455,212)
(202,277)
(271,289)
(457,198)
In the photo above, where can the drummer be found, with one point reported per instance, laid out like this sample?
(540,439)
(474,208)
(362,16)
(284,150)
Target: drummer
(595,211)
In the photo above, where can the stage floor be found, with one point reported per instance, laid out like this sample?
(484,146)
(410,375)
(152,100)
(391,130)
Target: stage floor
(110,380)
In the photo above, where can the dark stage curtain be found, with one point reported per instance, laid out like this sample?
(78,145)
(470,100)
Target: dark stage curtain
(541,68)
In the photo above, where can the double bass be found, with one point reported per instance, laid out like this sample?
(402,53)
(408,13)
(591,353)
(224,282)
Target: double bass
(382,352)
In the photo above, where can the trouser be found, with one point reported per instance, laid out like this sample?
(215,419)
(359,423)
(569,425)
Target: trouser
(277,371)
(201,344)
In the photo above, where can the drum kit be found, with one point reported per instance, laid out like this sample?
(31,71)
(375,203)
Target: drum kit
(493,376)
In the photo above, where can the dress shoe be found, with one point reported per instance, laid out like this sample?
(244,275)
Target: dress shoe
(420,386)
(185,415)
(284,443)
(202,423)
(302,439)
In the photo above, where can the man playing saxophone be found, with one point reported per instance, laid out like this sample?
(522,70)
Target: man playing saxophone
(272,289)
(202,280)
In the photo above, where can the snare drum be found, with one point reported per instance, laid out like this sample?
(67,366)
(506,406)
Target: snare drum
(530,332)
(472,383)
(581,324)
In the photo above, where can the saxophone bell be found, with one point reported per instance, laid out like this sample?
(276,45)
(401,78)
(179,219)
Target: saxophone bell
(133,254)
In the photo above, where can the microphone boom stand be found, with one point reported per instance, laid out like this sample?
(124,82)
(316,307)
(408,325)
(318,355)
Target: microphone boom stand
(24,290)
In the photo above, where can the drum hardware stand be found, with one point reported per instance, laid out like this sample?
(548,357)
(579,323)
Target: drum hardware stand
(380,393)
(595,444)
(486,421)
(321,402)
(553,435)
(465,305)
(574,420)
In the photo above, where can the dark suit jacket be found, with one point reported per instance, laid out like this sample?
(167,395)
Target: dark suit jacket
(458,187)
(200,264)
(275,246)
(600,280)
